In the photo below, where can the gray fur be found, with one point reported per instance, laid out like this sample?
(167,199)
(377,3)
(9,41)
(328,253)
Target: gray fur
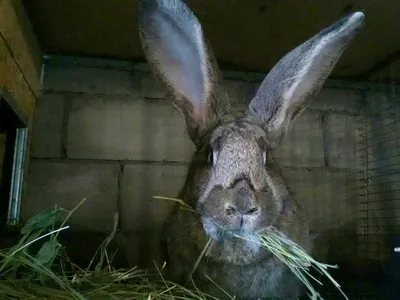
(233,181)
(182,60)
(299,75)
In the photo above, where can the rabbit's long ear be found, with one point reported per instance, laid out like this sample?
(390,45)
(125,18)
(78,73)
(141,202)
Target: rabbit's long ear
(300,74)
(178,54)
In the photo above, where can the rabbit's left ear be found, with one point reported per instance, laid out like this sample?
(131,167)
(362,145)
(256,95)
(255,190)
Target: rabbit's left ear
(299,75)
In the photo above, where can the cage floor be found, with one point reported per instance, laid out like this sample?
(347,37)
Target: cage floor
(360,284)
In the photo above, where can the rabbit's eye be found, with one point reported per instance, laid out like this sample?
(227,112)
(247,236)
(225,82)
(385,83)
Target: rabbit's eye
(210,157)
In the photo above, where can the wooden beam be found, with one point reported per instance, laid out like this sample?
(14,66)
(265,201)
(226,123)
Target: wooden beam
(12,78)
(18,36)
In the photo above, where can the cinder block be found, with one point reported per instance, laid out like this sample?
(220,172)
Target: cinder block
(143,217)
(245,76)
(150,87)
(373,103)
(125,128)
(239,109)
(90,80)
(142,67)
(331,208)
(382,141)
(303,144)
(67,184)
(326,195)
(343,139)
(140,183)
(47,126)
(338,100)
(382,104)
(240,92)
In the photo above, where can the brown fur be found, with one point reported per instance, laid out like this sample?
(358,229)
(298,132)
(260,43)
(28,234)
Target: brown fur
(186,237)
(233,181)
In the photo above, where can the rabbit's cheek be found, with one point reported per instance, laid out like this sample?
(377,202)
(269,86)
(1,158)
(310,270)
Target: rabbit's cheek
(211,229)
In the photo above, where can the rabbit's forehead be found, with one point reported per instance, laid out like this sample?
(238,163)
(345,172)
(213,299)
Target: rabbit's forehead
(238,133)
(240,154)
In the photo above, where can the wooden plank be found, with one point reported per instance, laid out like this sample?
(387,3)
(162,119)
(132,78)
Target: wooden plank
(247,35)
(29,34)
(12,78)
(18,35)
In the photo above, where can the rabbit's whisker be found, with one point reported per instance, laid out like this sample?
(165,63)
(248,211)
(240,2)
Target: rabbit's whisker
(186,228)
(207,245)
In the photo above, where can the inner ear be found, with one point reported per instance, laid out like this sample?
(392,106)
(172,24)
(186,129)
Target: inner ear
(210,155)
(180,57)
(217,143)
(262,144)
(295,80)
(214,147)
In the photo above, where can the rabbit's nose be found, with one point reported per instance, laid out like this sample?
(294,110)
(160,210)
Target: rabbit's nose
(230,210)
(242,216)
(244,201)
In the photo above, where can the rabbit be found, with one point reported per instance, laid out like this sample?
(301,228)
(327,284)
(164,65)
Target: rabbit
(233,183)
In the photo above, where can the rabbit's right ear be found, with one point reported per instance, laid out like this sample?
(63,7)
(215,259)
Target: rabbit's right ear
(175,48)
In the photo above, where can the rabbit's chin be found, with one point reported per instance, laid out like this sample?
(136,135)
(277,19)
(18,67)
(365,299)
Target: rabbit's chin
(221,235)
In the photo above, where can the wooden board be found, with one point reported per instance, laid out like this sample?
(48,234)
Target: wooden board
(247,34)
(12,78)
(19,38)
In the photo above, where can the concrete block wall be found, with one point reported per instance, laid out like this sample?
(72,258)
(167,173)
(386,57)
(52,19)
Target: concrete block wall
(103,131)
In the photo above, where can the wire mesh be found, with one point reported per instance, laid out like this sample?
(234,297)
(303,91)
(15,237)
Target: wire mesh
(380,191)
(363,211)
(375,188)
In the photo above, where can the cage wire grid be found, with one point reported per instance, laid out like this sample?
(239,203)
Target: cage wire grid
(362,217)
(344,215)
(375,187)
(380,189)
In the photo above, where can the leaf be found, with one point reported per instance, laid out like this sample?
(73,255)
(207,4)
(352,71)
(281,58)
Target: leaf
(41,220)
(46,256)
(33,236)
(11,260)
(48,252)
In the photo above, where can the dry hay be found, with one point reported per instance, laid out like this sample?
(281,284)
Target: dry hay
(49,273)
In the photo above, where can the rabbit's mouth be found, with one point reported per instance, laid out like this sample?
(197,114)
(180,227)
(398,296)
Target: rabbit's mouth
(233,221)
(224,235)
(217,231)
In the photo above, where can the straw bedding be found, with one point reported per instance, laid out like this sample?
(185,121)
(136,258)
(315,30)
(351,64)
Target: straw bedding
(45,272)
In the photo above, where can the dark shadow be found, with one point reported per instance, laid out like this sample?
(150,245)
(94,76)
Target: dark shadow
(13,124)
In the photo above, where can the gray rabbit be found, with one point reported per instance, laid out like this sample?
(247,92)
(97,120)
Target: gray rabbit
(232,182)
